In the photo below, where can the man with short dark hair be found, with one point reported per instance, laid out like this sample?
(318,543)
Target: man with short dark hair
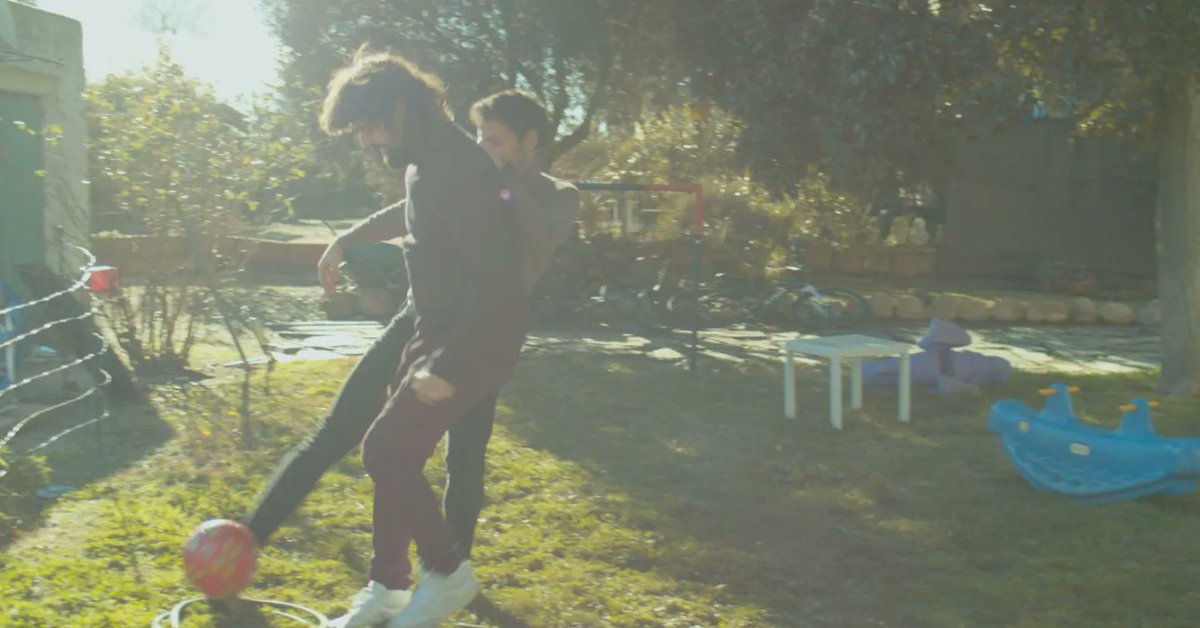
(510,126)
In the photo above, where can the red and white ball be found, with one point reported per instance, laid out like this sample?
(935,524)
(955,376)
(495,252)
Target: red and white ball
(220,558)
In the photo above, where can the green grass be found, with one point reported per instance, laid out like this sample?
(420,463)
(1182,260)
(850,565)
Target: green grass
(626,492)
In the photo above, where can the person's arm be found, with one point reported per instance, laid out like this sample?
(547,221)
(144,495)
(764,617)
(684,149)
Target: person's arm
(385,224)
(543,227)
(541,230)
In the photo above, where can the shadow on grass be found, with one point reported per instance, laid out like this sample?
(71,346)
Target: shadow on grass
(76,458)
(883,523)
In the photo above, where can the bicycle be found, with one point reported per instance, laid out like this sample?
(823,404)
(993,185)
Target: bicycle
(670,304)
(793,301)
(832,308)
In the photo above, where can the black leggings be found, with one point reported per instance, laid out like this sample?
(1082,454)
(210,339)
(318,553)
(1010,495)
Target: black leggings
(354,410)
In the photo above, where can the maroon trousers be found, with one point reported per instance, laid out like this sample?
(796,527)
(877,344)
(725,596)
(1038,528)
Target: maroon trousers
(402,439)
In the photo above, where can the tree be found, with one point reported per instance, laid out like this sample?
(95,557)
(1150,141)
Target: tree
(587,60)
(866,92)
(1129,70)
(170,17)
(1144,57)
(179,162)
(869,91)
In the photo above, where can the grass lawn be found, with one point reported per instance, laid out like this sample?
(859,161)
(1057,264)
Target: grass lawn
(626,492)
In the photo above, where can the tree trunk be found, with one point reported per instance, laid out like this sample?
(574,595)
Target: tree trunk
(1179,236)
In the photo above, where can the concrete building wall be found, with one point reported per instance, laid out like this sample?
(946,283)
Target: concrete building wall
(41,54)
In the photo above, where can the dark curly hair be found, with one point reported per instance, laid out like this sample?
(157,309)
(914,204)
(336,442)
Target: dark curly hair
(371,87)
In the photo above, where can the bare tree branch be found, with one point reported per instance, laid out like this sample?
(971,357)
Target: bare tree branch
(584,130)
(508,11)
(562,98)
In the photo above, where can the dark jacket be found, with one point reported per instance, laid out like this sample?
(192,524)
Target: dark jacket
(463,264)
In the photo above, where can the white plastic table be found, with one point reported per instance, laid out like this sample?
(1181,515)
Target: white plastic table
(851,348)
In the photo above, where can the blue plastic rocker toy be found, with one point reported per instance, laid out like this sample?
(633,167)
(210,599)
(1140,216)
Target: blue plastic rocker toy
(1054,451)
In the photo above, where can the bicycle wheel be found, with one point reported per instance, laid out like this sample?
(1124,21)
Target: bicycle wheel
(780,306)
(723,306)
(648,315)
(697,309)
(830,309)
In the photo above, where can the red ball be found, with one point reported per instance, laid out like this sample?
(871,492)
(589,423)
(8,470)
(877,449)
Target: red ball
(219,558)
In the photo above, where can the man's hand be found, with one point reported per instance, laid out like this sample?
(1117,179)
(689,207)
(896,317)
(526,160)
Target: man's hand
(329,266)
(430,388)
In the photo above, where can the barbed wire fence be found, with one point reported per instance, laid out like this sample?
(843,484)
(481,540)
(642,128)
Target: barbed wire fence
(89,407)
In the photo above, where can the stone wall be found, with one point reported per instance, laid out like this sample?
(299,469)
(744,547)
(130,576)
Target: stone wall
(42,55)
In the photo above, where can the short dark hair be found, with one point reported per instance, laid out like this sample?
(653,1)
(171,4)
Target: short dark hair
(371,87)
(518,110)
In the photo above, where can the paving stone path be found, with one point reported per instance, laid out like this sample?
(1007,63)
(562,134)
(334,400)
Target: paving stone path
(1078,349)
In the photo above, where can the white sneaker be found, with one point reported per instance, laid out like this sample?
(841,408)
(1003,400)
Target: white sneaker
(437,597)
(372,605)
